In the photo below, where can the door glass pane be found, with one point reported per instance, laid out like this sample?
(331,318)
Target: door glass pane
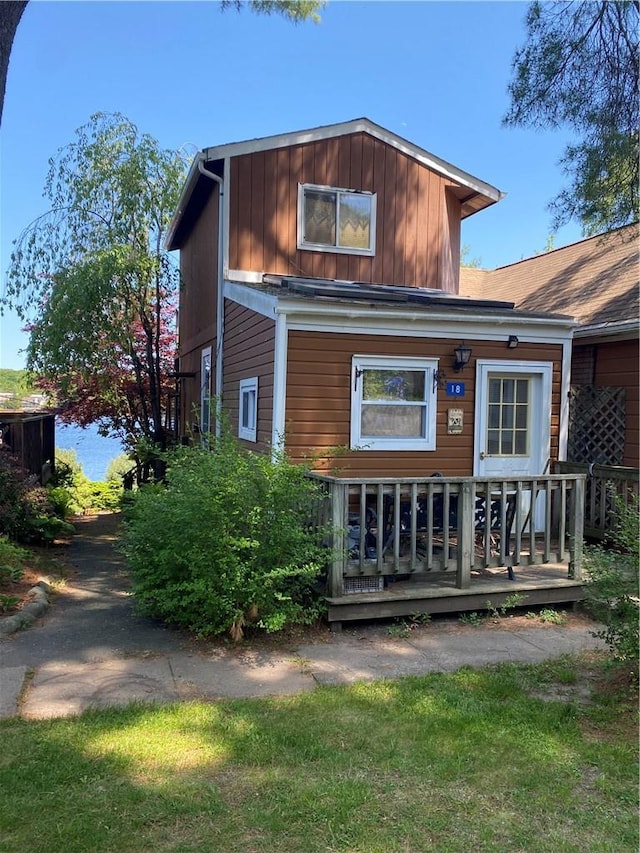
(393,421)
(507,417)
(522,391)
(493,442)
(355,221)
(494,390)
(507,443)
(320,217)
(508,387)
(521,443)
(494,417)
(521,417)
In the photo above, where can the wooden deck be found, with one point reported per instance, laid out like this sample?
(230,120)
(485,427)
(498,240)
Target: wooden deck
(448,545)
(537,586)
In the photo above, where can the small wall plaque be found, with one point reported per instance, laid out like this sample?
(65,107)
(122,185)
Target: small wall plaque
(454,421)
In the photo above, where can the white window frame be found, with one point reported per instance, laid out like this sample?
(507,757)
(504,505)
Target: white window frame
(325,247)
(248,431)
(361,363)
(205,389)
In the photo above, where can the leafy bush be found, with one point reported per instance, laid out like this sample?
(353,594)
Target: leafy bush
(226,542)
(26,514)
(72,493)
(120,467)
(12,558)
(612,589)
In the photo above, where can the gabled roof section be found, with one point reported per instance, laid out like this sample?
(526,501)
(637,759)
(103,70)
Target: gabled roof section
(594,280)
(484,193)
(473,193)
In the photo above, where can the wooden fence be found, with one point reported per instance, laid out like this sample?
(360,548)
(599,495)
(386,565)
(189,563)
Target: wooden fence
(30,438)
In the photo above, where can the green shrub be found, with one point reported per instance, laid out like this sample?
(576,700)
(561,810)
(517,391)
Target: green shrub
(26,514)
(120,467)
(72,493)
(12,557)
(612,589)
(226,542)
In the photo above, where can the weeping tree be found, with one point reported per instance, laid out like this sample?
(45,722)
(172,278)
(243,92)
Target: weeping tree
(579,69)
(94,285)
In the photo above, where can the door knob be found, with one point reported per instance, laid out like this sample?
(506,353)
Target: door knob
(482,454)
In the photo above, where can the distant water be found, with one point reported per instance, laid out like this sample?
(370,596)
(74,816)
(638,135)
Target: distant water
(93,451)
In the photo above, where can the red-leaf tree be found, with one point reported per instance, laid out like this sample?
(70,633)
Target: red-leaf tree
(93,282)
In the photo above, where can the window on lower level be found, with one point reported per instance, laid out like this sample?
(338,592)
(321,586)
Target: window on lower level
(248,414)
(393,403)
(336,220)
(205,391)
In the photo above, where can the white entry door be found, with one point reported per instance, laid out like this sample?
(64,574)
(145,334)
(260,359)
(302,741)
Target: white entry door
(513,421)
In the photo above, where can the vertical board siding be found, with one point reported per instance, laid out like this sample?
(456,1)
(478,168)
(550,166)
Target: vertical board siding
(411,213)
(198,300)
(318,405)
(249,347)
(199,278)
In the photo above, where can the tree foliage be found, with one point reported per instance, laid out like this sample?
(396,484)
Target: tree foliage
(94,283)
(579,69)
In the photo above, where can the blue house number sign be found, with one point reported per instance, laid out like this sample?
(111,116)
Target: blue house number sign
(455,389)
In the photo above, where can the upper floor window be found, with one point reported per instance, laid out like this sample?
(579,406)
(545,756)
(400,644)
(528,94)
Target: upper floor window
(335,220)
(393,403)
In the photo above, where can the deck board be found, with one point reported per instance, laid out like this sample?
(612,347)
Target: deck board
(538,585)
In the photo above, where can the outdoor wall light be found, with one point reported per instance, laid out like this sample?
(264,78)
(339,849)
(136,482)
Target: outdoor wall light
(463,354)
(513,342)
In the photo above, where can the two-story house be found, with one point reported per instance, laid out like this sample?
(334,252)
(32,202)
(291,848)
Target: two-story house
(320,304)
(320,307)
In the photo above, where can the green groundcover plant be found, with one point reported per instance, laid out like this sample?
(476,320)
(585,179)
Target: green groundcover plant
(612,590)
(226,541)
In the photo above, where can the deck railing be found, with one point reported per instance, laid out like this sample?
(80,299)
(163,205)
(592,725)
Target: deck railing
(386,528)
(604,486)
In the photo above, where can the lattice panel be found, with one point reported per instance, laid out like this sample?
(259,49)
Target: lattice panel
(597,424)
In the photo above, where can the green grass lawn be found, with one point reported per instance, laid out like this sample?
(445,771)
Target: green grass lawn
(502,759)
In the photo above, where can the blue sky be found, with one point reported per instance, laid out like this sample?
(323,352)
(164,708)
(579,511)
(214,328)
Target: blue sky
(435,73)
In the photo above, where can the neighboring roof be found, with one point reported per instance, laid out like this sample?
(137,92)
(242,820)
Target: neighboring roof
(594,280)
(473,193)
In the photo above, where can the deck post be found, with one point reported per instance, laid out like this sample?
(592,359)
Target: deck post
(339,493)
(466,519)
(576,529)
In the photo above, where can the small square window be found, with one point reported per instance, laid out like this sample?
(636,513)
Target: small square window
(248,414)
(393,403)
(336,220)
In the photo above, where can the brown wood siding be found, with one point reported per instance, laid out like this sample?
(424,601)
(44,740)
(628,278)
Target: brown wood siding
(249,348)
(412,213)
(583,360)
(617,367)
(198,298)
(199,279)
(318,402)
